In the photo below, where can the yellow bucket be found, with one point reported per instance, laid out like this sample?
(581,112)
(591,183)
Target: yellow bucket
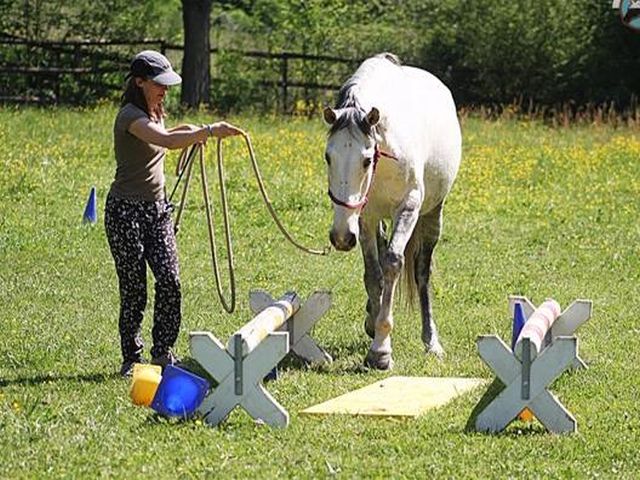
(144,384)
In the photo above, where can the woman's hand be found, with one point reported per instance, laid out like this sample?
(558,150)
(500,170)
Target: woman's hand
(224,129)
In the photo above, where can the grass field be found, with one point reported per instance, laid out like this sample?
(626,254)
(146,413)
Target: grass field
(535,211)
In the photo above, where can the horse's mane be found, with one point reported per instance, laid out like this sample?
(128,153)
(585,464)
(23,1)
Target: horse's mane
(354,113)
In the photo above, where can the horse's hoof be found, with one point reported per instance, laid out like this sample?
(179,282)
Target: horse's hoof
(369,328)
(435,349)
(379,361)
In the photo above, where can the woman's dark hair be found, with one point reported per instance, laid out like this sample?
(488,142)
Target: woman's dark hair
(133,94)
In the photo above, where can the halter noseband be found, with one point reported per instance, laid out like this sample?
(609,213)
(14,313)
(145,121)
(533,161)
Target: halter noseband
(377,153)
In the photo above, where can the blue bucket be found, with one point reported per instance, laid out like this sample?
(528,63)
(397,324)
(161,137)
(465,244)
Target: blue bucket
(180,392)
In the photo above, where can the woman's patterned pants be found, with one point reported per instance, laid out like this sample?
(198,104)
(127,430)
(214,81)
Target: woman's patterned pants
(141,233)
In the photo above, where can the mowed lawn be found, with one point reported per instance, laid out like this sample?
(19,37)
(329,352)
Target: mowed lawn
(536,211)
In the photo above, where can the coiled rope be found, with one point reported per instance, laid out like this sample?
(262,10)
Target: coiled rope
(185,165)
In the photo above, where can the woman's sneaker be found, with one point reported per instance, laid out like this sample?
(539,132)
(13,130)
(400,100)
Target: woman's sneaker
(126,369)
(165,359)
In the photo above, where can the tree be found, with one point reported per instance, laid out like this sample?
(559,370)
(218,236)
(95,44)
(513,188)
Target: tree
(196,62)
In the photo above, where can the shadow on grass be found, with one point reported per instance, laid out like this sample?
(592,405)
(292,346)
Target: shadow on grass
(492,392)
(529,428)
(290,362)
(156,420)
(346,360)
(52,377)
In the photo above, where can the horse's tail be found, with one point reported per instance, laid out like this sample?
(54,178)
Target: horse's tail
(425,233)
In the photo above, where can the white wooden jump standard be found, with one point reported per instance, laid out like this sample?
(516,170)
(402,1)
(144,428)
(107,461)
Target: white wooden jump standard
(253,351)
(541,355)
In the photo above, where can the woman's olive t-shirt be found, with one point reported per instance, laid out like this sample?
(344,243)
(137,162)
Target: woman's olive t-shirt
(139,165)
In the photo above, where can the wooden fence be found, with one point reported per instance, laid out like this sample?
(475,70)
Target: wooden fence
(101,63)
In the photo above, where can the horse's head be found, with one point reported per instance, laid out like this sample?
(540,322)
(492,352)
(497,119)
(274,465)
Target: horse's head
(350,155)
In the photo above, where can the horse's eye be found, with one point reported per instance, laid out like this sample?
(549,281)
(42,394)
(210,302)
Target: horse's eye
(327,159)
(366,163)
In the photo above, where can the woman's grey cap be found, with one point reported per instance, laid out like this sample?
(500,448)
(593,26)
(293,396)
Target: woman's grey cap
(154,66)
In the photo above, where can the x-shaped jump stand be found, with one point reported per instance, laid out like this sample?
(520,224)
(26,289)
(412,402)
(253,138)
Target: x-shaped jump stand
(253,351)
(526,380)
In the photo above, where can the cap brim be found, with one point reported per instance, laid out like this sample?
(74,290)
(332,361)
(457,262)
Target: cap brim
(168,78)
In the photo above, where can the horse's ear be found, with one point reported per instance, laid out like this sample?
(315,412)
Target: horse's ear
(373,117)
(329,115)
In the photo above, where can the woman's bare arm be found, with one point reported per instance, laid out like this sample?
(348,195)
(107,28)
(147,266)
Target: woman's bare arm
(181,136)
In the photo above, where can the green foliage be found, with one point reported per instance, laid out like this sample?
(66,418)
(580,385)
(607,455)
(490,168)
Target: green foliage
(489,52)
(61,20)
(542,50)
(108,19)
(237,89)
(535,211)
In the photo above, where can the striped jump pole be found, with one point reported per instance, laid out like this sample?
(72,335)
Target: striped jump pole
(545,348)
(565,325)
(253,351)
(534,334)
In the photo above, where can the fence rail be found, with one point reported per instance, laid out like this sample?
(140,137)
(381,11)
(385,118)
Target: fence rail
(164,46)
(57,70)
(105,63)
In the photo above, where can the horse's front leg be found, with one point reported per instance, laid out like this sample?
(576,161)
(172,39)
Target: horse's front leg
(392,261)
(369,233)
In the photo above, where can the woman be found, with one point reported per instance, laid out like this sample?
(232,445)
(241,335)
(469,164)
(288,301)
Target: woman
(137,214)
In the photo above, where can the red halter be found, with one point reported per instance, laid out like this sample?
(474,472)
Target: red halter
(377,153)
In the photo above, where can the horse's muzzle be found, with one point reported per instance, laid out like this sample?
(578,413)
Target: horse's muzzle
(342,242)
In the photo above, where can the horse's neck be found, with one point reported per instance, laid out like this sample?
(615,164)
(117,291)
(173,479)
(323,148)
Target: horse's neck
(365,82)
(375,85)
(379,83)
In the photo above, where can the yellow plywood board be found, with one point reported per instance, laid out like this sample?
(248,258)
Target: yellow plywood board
(397,397)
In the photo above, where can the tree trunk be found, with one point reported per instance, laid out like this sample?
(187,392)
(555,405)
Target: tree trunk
(196,64)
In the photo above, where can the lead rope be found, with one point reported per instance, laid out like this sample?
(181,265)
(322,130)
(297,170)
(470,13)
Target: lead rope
(227,230)
(265,197)
(185,164)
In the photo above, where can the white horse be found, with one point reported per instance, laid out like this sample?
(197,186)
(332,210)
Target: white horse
(393,152)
